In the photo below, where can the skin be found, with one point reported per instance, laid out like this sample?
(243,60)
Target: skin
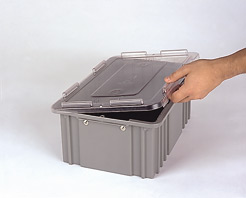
(202,76)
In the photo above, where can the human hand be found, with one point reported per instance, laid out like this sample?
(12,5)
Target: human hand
(201,77)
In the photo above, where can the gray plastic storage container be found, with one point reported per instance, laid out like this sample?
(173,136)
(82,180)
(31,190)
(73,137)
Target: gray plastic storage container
(119,118)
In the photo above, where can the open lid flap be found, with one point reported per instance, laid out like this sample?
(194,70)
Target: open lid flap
(131,82)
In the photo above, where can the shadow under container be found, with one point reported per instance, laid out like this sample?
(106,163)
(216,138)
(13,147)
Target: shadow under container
(126,139)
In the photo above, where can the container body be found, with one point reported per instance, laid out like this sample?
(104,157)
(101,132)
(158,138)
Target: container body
(128,147)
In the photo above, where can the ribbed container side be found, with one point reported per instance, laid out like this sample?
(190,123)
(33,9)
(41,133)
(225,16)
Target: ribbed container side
(138,151)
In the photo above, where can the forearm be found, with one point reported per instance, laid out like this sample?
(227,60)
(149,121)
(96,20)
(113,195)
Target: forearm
(231,65)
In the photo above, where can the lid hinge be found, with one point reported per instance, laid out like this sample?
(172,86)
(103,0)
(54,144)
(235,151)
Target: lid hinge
(138,54)
(98,67)
(163,53)
(70,90)
(126,102)
(180,52)
(77,104)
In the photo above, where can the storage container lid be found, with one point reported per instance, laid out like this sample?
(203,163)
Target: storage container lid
(130,82)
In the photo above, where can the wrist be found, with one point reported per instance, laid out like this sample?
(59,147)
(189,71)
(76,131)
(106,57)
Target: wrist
(221,67)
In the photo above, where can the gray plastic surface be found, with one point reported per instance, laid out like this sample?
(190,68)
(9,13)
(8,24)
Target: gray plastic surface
(100,143)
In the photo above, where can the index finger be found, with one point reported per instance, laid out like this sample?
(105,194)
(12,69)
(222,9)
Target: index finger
(180,73)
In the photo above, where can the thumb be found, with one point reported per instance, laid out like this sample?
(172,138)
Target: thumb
(180,73)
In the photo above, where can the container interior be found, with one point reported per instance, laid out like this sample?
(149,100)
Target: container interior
(147,116)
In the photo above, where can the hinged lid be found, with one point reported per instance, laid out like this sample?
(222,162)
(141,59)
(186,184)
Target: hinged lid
(130,82)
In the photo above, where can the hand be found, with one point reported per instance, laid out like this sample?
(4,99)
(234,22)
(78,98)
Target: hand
(201,77)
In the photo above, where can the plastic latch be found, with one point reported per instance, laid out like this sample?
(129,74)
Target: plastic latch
(180,52)
(98,67)
(169,89)
(138,54)
(126,102)
(76,104)
(70,90)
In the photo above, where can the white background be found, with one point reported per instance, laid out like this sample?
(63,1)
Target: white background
(46,46)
